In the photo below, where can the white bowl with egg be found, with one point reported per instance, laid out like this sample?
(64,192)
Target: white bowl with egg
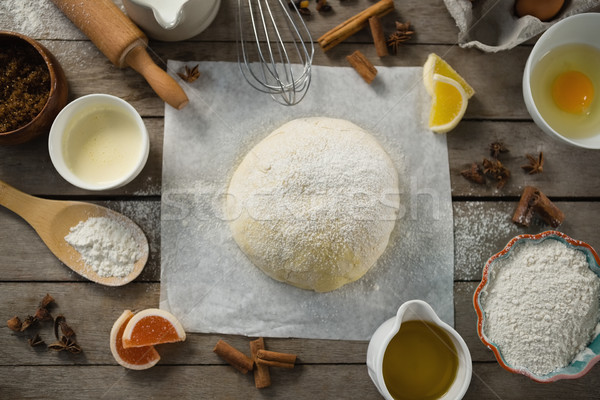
(561,81)
(98,142)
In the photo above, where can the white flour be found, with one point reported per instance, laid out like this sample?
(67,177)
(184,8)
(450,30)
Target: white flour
(105,245)
(541,305)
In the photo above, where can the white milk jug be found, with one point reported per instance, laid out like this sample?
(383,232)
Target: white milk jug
(172,20)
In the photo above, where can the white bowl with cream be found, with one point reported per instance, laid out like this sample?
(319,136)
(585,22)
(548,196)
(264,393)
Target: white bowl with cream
(98,142)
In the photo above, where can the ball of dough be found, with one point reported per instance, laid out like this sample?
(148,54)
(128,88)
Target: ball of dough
(314,203)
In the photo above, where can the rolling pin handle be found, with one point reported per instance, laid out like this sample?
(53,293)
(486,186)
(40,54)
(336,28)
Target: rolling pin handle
(163,84)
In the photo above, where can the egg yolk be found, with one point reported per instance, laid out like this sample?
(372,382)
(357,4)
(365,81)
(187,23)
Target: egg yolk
(573,92)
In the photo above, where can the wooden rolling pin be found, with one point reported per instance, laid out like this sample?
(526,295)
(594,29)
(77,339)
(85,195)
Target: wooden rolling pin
(122,42)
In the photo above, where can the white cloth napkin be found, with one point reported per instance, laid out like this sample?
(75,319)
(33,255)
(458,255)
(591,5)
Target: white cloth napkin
(491,25)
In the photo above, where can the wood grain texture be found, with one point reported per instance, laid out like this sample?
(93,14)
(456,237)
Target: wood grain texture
(327,369)
(24,257)
(567,172)
(496,78)
(481,229)
(305,382)
(429,16)
(32,160)
(105,25)
(92,309)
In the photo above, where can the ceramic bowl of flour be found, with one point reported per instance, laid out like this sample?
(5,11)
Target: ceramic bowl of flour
(518,289)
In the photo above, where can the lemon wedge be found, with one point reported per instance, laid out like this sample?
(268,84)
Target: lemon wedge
(448,105)
(436,65)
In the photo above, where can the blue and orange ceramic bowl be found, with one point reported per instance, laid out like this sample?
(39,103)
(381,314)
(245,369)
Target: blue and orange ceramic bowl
(585,360)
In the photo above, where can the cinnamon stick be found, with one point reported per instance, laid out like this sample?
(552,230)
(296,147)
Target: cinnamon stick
(234,357)
(277,364)
(354,24)
(276,356)
(363,66)
(524,212)
(262,376)
(378,36)
(534,201)
(548,211)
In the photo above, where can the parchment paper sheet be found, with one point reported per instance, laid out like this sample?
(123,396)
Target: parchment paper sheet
(490,25)
(207,281)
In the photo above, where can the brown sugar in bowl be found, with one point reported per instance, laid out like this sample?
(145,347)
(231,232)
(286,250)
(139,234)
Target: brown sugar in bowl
(57,97)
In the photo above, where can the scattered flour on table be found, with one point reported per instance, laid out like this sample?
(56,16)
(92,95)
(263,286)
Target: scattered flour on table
(476,228)
(541,305)
(481,229)
(106,245)
(38,19)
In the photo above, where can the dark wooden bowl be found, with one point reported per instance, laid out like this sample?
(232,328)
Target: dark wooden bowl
(57,98)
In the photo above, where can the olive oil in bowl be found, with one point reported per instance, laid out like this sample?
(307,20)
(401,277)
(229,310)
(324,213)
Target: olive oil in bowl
(420,362)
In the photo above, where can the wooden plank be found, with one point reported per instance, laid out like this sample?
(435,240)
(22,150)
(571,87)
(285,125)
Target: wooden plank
(42,20)
(566,168)
(498,98)
(208,382)
(567,171)
(24,257)
(32,160)
(496,77)
(489,381)
(482,229)
(92,309)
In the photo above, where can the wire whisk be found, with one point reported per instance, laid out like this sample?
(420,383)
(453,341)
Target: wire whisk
(272,59)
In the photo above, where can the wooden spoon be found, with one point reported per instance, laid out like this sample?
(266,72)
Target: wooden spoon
(53,219)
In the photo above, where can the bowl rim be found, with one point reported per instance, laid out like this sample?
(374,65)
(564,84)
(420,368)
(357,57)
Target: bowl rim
(480,314)
(532,108)
(50,65)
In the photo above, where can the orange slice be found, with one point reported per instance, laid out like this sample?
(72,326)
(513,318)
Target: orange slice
(448,105)
(133,358)
(436,65)
(152,326)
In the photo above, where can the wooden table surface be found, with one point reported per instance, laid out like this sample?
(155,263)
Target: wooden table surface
(326,369)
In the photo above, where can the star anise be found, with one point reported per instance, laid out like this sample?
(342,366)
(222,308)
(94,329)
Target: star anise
(474,174)
(42,314)
(29,320)
(66,330)
(496,148)
(36,341)
(46,301)
(496,170)
(189,74)
(322,6)
(67,344)
(14,324)
(402,34)
(536,165)
(304,11)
